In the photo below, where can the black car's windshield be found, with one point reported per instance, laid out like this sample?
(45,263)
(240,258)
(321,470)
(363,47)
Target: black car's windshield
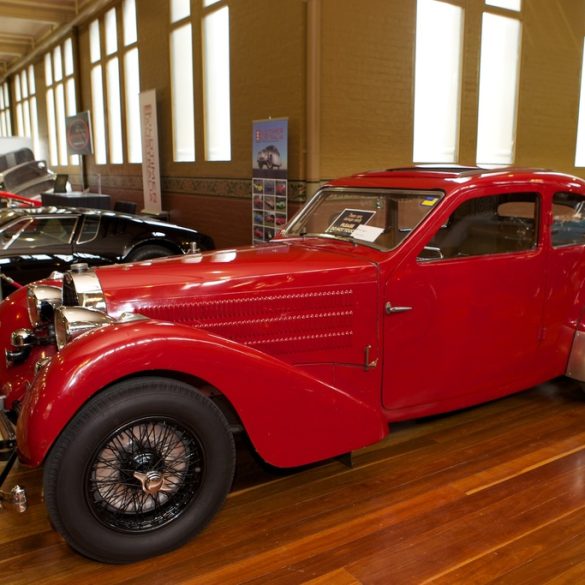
(382,218)
(34,231)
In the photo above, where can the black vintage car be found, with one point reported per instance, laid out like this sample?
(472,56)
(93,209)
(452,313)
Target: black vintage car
(35,242)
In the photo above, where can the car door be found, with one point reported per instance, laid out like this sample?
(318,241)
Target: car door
(34,246)
(566,271)
(105,239)
(464,313)
(91,244)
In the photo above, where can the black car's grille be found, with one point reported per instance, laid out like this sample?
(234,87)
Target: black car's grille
(70,298)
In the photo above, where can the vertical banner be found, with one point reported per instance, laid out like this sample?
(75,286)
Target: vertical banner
(269,178)
(150,153)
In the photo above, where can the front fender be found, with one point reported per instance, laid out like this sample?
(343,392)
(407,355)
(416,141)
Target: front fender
(14,378)
(291,418)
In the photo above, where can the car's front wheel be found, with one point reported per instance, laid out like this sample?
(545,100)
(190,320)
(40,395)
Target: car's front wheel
(139,470)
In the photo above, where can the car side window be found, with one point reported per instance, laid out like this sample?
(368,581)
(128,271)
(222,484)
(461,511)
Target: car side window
(11,232)
(41,231)
(568,220)
(496,224)
(89,229)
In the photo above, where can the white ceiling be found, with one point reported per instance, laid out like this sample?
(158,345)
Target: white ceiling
(25,23)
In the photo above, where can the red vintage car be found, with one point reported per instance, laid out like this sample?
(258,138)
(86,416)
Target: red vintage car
(391,295)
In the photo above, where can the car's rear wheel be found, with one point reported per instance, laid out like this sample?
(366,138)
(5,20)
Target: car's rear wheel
(139,470)
(149,252)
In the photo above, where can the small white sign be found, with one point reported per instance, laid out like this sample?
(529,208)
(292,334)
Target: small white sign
(367,233)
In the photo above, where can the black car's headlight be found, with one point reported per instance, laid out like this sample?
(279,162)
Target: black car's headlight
(42,300)
(70,322)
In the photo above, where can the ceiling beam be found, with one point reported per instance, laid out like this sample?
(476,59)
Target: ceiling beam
(36,11)
(88,10)
(9,47)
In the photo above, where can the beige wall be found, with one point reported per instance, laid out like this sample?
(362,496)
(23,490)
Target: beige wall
(366,96)
(549,84)
(367,69)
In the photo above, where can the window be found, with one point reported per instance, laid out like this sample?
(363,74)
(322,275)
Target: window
(5,122)
(498,86)
(61,100)
(439,32)
(132,83)
(89,229)
(216,82)
(39,231)
(383,218)
(580,150)
(488,225)
(182,89)
(214,58)
(568,224)
(112,99)
(26,106)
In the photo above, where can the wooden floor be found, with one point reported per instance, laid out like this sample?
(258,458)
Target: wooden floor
(494,494)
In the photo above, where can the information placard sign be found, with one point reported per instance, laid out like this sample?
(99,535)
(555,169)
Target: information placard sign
(78,133)
(269,178)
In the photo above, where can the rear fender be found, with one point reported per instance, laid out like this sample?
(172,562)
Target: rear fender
(291,418)
(576,363)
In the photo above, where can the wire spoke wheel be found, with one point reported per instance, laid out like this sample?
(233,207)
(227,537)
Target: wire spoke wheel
(144,475)
(139,470)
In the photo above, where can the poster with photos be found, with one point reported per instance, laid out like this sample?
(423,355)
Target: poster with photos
(269,178)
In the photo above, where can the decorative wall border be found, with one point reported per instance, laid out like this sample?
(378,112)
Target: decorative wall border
(230,188)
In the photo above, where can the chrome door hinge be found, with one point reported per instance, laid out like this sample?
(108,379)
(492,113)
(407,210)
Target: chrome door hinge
(368,365)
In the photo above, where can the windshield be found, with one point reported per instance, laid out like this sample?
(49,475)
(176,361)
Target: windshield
(382,218)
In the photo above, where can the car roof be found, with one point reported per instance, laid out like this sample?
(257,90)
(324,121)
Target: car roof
(449,177)
(14,212)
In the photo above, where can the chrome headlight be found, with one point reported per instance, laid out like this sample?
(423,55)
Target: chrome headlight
(70,322)
(42,300)
(81,288)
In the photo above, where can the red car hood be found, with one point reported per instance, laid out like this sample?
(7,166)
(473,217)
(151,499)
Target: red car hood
(251,271)
(311,302)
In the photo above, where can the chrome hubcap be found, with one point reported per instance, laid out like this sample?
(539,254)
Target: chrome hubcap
(153,482)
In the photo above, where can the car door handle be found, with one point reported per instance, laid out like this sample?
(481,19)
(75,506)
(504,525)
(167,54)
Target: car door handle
(390,309)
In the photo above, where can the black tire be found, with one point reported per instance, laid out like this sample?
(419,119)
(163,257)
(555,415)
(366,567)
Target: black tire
(175,439)
(206,242)
(149,252)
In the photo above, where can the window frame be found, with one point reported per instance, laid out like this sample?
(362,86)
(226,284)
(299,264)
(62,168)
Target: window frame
(200,144)
(60,86)
(552,222)
(110,105)
(26,106)
(495,14)
(431,244)
(5,110)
